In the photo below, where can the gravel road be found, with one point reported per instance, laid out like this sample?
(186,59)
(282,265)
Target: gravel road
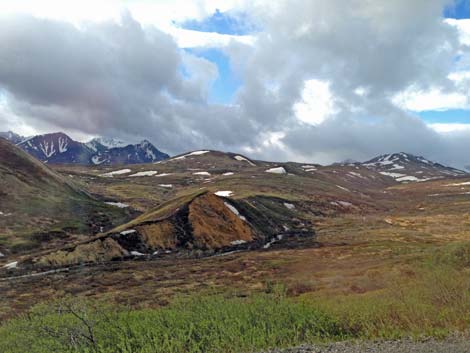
(450,345)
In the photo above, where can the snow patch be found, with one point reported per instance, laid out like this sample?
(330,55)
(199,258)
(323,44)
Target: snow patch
(243,159)
(168,186)
(163,174)
(118,204)
(289,206)
(195,153)
(224,193)
(459,184)
(393,175)
(116,172)
(397,167)
(358,175)
(341,203)
(228,174)
(11,265)
(145,173)
(238,242)
(412,178)
(277,170)
(202,173)
(136,253)
(97,160)
(129,231)
(235,211)
(343,188)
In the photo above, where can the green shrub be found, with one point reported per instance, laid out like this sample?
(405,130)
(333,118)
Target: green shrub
(205,324)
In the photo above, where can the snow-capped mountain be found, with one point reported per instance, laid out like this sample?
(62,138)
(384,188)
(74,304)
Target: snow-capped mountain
(58,148)
(107,142)
(405,167)
(12,137)
(143,152)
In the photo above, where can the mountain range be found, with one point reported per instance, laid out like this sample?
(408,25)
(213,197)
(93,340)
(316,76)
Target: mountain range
(59,148)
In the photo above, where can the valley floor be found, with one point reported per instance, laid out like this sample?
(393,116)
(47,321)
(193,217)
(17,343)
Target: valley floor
(387,264)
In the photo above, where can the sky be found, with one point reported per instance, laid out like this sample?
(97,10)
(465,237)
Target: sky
(301,80)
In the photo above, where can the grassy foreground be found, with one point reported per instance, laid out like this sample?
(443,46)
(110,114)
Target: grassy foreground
(434,300)
(210,324)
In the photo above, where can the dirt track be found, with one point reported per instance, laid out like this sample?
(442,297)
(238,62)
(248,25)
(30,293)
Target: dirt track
(449,345)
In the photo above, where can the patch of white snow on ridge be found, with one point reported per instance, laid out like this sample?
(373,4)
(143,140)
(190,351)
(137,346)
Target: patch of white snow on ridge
(459,184)
(118,204)
(97,160)
(168,186)
(238,242)
(145,173)
(357,175)
(235,211)
(343,188)
(412,178)
(393,175)
(129,231)
(224,193)
(63,144)
(397,167)
(243,159)
(136,253)
(195,153)
(202,173)
(228,174)
(289,206)
(11,265)
(116,172)
(277,170)
(163,174)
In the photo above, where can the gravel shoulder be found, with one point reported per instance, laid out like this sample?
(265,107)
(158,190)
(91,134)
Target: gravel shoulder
(449,345)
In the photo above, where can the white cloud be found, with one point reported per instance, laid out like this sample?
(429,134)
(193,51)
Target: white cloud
(192,39)
(463,27)
(317,102)
(435,99)
(444,128)
(158,12)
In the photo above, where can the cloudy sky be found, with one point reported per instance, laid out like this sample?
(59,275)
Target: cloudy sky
(303,80)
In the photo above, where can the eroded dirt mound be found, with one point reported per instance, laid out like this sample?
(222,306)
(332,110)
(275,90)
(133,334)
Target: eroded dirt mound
(216,224)
(203,223)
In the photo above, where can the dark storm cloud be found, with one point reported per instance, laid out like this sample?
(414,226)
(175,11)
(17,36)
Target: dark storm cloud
(108,79)
(378,47)
(126,80)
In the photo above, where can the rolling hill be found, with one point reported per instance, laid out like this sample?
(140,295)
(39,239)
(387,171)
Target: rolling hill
(37,205)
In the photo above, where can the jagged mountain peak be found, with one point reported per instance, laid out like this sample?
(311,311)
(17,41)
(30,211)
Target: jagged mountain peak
(109,142)
(59,148)
(406,167)
(12,137)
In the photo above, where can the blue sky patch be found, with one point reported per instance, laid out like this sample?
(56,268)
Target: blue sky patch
(224,88)
(221,22)
(459,10)
(461,116)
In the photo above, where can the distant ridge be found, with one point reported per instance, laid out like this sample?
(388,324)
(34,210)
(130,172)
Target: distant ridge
(405,167)
(59,148)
